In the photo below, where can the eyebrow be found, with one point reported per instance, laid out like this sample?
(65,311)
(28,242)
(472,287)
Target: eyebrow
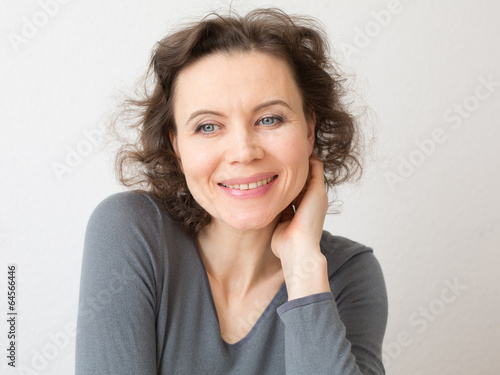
(258,107)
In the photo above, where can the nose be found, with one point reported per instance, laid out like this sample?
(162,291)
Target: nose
(244,146)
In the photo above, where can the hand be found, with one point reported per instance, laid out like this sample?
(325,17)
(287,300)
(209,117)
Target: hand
(302,231)
(297,236)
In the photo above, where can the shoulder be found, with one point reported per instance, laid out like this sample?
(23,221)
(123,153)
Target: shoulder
(135,208)
(130,219)
(340,250)
(129,204)
(128,230)
(134,215)
(354,271)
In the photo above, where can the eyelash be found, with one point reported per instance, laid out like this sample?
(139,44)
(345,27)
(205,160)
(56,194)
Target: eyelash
(277,119)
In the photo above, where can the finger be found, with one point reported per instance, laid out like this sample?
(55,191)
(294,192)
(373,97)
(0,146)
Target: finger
(314,199)
(315,156)
(316,170)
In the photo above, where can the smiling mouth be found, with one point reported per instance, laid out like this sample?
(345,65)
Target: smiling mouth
(251,185)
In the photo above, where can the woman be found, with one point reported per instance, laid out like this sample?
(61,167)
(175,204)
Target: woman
(219,264)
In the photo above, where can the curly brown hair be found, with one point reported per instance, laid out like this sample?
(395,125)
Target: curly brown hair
(150,163)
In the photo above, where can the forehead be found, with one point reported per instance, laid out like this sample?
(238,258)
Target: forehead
(234,82)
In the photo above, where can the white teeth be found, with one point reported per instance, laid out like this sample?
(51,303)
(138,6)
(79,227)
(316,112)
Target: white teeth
(251,185)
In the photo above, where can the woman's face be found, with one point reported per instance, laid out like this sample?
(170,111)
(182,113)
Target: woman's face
(242,137)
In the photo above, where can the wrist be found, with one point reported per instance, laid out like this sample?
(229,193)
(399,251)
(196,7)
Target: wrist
(305,273)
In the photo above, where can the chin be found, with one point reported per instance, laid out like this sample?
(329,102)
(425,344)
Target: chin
(248,221)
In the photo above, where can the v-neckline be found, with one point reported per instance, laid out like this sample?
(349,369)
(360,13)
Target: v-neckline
(254,328)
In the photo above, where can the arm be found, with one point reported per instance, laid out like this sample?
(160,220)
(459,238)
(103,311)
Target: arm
(116,317)
(329,328)
(339,332)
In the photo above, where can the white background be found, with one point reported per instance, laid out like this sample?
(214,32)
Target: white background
(436,226)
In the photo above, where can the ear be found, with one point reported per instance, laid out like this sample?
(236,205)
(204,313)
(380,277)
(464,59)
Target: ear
(173,141)
(311,127)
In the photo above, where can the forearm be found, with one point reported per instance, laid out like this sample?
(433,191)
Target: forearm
(305,271)
(339,332)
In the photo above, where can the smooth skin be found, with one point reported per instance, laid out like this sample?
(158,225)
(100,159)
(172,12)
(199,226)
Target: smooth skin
(240,115)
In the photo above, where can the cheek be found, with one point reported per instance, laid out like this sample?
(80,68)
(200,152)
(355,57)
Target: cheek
(293,153)
(198,165)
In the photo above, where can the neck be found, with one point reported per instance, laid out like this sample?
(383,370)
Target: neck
(238,261)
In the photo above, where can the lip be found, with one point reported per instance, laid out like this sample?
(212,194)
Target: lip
(246,180)
(250,193)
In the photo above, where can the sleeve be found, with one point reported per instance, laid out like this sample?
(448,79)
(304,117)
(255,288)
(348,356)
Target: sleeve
(339,332)
(116,310)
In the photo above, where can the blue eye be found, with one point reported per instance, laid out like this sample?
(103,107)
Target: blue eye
(271,120)
(205,128)
(208,128)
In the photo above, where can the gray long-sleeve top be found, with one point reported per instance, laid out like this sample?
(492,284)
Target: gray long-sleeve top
(146,307)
